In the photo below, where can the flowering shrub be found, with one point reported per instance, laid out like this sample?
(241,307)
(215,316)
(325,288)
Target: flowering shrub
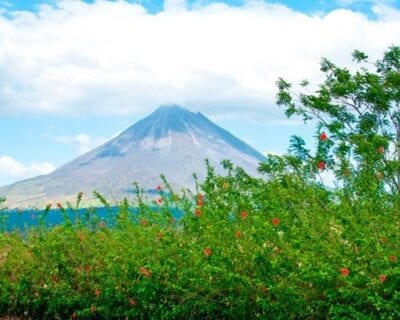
(279,249)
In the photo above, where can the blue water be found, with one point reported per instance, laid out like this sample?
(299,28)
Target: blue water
(16,220)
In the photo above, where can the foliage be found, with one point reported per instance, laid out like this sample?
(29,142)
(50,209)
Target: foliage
(244,248)
(358,115)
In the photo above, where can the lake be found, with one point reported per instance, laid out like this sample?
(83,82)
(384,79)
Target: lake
(20,220)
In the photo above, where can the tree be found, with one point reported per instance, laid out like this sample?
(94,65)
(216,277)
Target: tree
(358,131)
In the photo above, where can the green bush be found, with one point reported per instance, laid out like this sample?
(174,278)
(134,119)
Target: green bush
(280,249)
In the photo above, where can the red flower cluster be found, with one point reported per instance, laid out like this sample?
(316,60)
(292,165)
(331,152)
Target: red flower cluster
(323,136)
(207,252)
(97,293)
(382,278)
(159,200)
(87,268)
(197,212)
(160,235)
(264,289)
(145,272)
(74,316)
(393,258)
(143,222)
(158,188)
(276,221)
(345,272)
(238,234)
(132,302)
(321,165)
(381,149)
(200,200)
(244,214)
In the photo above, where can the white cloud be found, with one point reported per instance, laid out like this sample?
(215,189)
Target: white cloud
(82,142)
(115,58)
(12,170)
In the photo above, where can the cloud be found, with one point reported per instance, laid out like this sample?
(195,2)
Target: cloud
(113,57)
(12,170)
(82,142)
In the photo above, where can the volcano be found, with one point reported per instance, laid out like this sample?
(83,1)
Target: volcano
(172,141)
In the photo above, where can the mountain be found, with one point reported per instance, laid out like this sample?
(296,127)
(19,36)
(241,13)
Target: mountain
(172,140)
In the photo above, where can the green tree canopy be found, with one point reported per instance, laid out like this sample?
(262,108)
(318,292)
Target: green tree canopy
(358,116)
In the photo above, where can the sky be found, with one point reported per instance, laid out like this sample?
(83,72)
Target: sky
(74,74)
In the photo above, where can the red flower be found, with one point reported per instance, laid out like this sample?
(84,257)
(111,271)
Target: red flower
(321,165)
(264,289)
(345,272)
(132,302)
(207,252)
(382,278)
(200,197)
(143,222)
(244,214)
(158,188)
(159,200)
(381,149)
(197,212)
(145,272)
(199,203)
(160,235)
(74,316)
(238,234)
(275,221)
(55,279)
(323,136)
(97,293)
(393,258)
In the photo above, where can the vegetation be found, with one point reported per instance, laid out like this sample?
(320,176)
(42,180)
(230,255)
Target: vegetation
(282,248)
(361,114)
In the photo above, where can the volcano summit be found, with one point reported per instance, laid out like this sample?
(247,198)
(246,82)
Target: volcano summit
(172,141)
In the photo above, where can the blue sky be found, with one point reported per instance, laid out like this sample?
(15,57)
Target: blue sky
(155,6)
(74,74)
